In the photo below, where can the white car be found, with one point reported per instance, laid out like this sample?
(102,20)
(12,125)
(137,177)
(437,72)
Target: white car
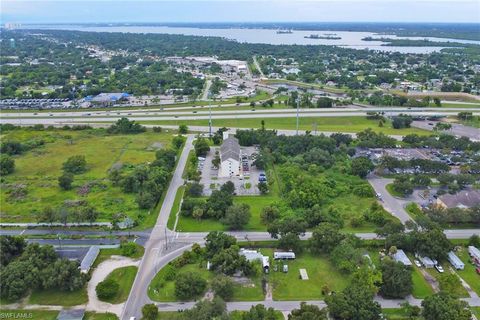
(417,263)
(439,268)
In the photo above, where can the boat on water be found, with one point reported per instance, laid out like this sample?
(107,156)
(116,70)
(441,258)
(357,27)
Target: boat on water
(284,31)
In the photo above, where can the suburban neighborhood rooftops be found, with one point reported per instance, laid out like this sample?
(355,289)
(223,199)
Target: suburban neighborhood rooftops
(400,256)
(462,199)
(230,149)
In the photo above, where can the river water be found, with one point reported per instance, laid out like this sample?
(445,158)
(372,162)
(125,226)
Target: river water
(349,39)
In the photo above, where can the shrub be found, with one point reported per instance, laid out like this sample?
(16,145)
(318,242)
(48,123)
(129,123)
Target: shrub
(107,289)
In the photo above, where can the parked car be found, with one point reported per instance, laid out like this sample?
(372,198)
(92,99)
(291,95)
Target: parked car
(478,270)
(417,263)
(439,268)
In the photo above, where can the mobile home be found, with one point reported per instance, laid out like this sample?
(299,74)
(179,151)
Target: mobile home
(455,261)
(283,255)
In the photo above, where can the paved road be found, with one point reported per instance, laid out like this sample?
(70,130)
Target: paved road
(154,248)
(458,130)
(206,90)
(392,204)
(257,65)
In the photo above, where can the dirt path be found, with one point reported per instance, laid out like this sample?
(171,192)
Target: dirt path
(99,274)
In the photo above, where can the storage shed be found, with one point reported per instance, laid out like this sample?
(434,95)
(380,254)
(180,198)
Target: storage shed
(455,261)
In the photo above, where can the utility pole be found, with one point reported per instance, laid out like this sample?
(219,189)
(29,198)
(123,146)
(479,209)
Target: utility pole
(298,106)
(210,120)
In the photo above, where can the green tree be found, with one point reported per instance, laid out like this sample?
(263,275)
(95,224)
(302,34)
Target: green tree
(308,312)
(149,312)
(361,166)
(183,129)
(65,181)
(107,289)
(325,238)
(216,241)
(7,165)
(75,164)
(396,279)
(189,285)
(11,247)
(201,147)
(442,306)
(222,286)
(237,216)
(269,214)
(354,303)
(204,309)
(403,185)
(259,312)
(263,187)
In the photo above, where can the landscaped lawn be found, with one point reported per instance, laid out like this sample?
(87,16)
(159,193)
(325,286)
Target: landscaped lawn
(31,314)
(166,292)
(392,191)
(395,314)
(289,286)
(125,277)
(106,254)
(469,274)
(331,124)
(39,169)
(421,288)
(60,298)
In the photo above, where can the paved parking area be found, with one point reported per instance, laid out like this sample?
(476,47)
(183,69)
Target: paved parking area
(245,183)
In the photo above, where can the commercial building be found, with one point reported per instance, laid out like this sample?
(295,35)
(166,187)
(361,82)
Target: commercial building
(455,261)
(464,199)
(229,158)
(108,99)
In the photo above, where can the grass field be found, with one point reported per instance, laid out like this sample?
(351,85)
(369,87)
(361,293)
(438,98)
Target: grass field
(234,315)
(175,207)
(90,315)
(288,286)
(105,254)
(395,314)
(459,291)
(351,124)
(59,298)
(125,277)
(469,274)
(30,314)
(166,293)
(39,169)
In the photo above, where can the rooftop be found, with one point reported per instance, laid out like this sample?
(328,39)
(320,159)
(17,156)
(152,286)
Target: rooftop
(230,149)
(462,199)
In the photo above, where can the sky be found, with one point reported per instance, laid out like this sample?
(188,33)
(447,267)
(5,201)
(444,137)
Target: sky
(88,11)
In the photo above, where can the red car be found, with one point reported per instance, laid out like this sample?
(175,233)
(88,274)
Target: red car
(478,270)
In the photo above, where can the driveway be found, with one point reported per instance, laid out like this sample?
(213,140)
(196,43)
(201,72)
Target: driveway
(394,205)
(99,274)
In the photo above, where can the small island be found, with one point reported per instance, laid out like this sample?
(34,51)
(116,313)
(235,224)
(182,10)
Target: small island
(324,37)
(284,31)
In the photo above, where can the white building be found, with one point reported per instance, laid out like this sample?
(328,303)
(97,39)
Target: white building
(400,256)
(455,261)
(254,255)
(229,158)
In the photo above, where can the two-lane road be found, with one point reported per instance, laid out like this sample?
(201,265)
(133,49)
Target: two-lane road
(154,248)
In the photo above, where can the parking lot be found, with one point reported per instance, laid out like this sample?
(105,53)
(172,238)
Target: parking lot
(245,184)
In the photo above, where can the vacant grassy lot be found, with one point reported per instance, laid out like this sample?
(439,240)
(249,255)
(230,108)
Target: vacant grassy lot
(59,298)
(89,315)
(234,315)
(458,291)
(289,286)
(332,124)
(38,170)
(35,314)
(166,293)
(125,277)
(256,203)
